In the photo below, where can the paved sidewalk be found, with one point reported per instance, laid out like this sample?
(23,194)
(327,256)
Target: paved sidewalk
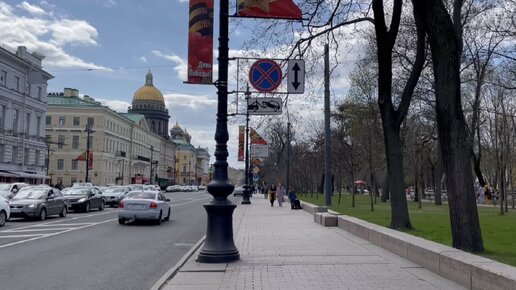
(283,249)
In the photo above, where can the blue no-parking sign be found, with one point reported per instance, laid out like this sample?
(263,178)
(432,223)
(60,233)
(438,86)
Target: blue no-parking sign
(265,75)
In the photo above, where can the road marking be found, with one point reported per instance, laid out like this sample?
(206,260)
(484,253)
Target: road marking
(37,230)
(54,234)
(20,236)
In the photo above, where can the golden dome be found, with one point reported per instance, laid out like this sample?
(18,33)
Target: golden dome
(148,92)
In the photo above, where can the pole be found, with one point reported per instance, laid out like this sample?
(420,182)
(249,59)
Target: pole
(247,189)
(289,152)
(327,136)
(88,129)
(150,172)
(219,246)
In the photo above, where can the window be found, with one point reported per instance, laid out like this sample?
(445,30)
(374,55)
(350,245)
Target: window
(75,142)
(27,125)
(15,155)
(47,138)
(15,121)
(38,126)
(17,83)
(40,93)
(3,78)
(74,164)
(2,152)
(76,121)
(90,121)
(60,141)
(2,118)
(37,156)
(184,168)
(26,155)
(60,164)
(48,121)
(62,120)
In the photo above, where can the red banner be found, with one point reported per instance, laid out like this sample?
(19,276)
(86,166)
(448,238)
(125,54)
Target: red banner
(200,42)
(280,9)
(90,160)
(241,130)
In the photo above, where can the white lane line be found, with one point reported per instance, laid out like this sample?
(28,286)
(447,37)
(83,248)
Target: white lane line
(53,234)
(20,236)
(178,204)
(39,230)
(57,225)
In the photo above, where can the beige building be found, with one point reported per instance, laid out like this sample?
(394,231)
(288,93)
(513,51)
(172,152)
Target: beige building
(122,148)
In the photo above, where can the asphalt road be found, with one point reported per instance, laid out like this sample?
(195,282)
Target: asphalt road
(92,251)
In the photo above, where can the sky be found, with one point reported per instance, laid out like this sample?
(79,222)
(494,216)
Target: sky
(104,48)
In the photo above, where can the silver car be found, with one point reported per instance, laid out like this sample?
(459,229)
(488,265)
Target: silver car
(38,202)
(144,205)
(114,194)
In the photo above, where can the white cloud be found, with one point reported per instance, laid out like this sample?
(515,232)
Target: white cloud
(143,59)
(181,64)
(32,9)
(44,33)
(115,105)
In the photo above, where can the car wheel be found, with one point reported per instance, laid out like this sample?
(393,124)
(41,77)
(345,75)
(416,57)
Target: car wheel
(158,221)
(3,218)
(43,214)
(121,221)
(87,207)
(63,212)
(168,216)
(101,206)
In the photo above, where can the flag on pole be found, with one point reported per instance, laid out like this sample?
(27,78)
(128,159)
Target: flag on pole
(256,138)
(90,160)
(200,42)
(279,9)
(240,143)
(81,157)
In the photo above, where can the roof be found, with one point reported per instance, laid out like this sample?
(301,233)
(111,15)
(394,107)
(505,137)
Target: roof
(57,100)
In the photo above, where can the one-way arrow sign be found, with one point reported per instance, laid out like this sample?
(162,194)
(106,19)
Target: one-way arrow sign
(296,76)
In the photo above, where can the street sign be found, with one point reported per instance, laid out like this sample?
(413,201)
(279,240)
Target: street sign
(256,170)
(265,75)
(296,76)
(264,106)
(256,177)
(259,151)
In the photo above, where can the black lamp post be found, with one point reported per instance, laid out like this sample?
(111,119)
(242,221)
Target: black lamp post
(247,187)
(219,246)
(89,130)
(150,170)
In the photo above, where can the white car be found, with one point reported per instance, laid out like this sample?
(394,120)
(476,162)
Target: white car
(144,205)
(5,211)
(8,190)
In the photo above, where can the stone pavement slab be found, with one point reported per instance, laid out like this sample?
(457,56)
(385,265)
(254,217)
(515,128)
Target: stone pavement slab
(282,248)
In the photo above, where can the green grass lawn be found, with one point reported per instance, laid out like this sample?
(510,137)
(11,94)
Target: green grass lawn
(432,222)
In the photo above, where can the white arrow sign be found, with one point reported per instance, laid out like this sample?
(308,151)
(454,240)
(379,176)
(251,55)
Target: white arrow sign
(296,76)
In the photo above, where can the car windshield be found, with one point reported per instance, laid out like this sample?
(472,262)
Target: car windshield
(114,190)
(141,195)
(30,193)
(5,186)
(78,191)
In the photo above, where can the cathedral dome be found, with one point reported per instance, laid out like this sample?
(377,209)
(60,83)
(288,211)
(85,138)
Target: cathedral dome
(148,92)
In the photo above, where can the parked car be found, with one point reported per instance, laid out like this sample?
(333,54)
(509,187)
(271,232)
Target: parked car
(82,184)
(8,190)
(173,188)
(114,194)
(84,199)
(239,190)
(5,212)
(144,205)
(38,202)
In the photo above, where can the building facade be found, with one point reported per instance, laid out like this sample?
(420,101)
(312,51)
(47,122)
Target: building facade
(23,105)
(122,148)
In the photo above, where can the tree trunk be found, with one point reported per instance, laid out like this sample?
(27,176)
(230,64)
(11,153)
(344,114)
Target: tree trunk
(438,175)
(385,188)
(445,43)
(400,218)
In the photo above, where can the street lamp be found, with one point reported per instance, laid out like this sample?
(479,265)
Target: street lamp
(89,130)
(150,172)
(247,188)
(219,246)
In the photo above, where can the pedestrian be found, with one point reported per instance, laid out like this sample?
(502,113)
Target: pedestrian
(480,195)
(280,192)
(294,202)
(487,194)
(272,194)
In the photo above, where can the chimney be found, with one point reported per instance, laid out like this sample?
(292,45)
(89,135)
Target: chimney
(69,92)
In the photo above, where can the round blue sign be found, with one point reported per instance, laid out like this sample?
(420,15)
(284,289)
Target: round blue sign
(256,177)
(265,75)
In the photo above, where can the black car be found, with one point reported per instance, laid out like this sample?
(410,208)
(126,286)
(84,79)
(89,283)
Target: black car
(38,202)
(84,198)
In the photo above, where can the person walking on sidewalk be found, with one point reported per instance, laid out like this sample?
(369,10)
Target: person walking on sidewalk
(280,192)
(272,194)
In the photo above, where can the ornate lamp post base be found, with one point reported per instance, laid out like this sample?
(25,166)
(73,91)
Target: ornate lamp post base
(245,197)
(219,246)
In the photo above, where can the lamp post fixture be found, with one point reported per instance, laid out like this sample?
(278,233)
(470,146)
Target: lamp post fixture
(89,130)
(219,246)
(247,187)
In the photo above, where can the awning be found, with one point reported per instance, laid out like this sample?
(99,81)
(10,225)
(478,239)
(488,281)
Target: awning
(7,174)
(24,174)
